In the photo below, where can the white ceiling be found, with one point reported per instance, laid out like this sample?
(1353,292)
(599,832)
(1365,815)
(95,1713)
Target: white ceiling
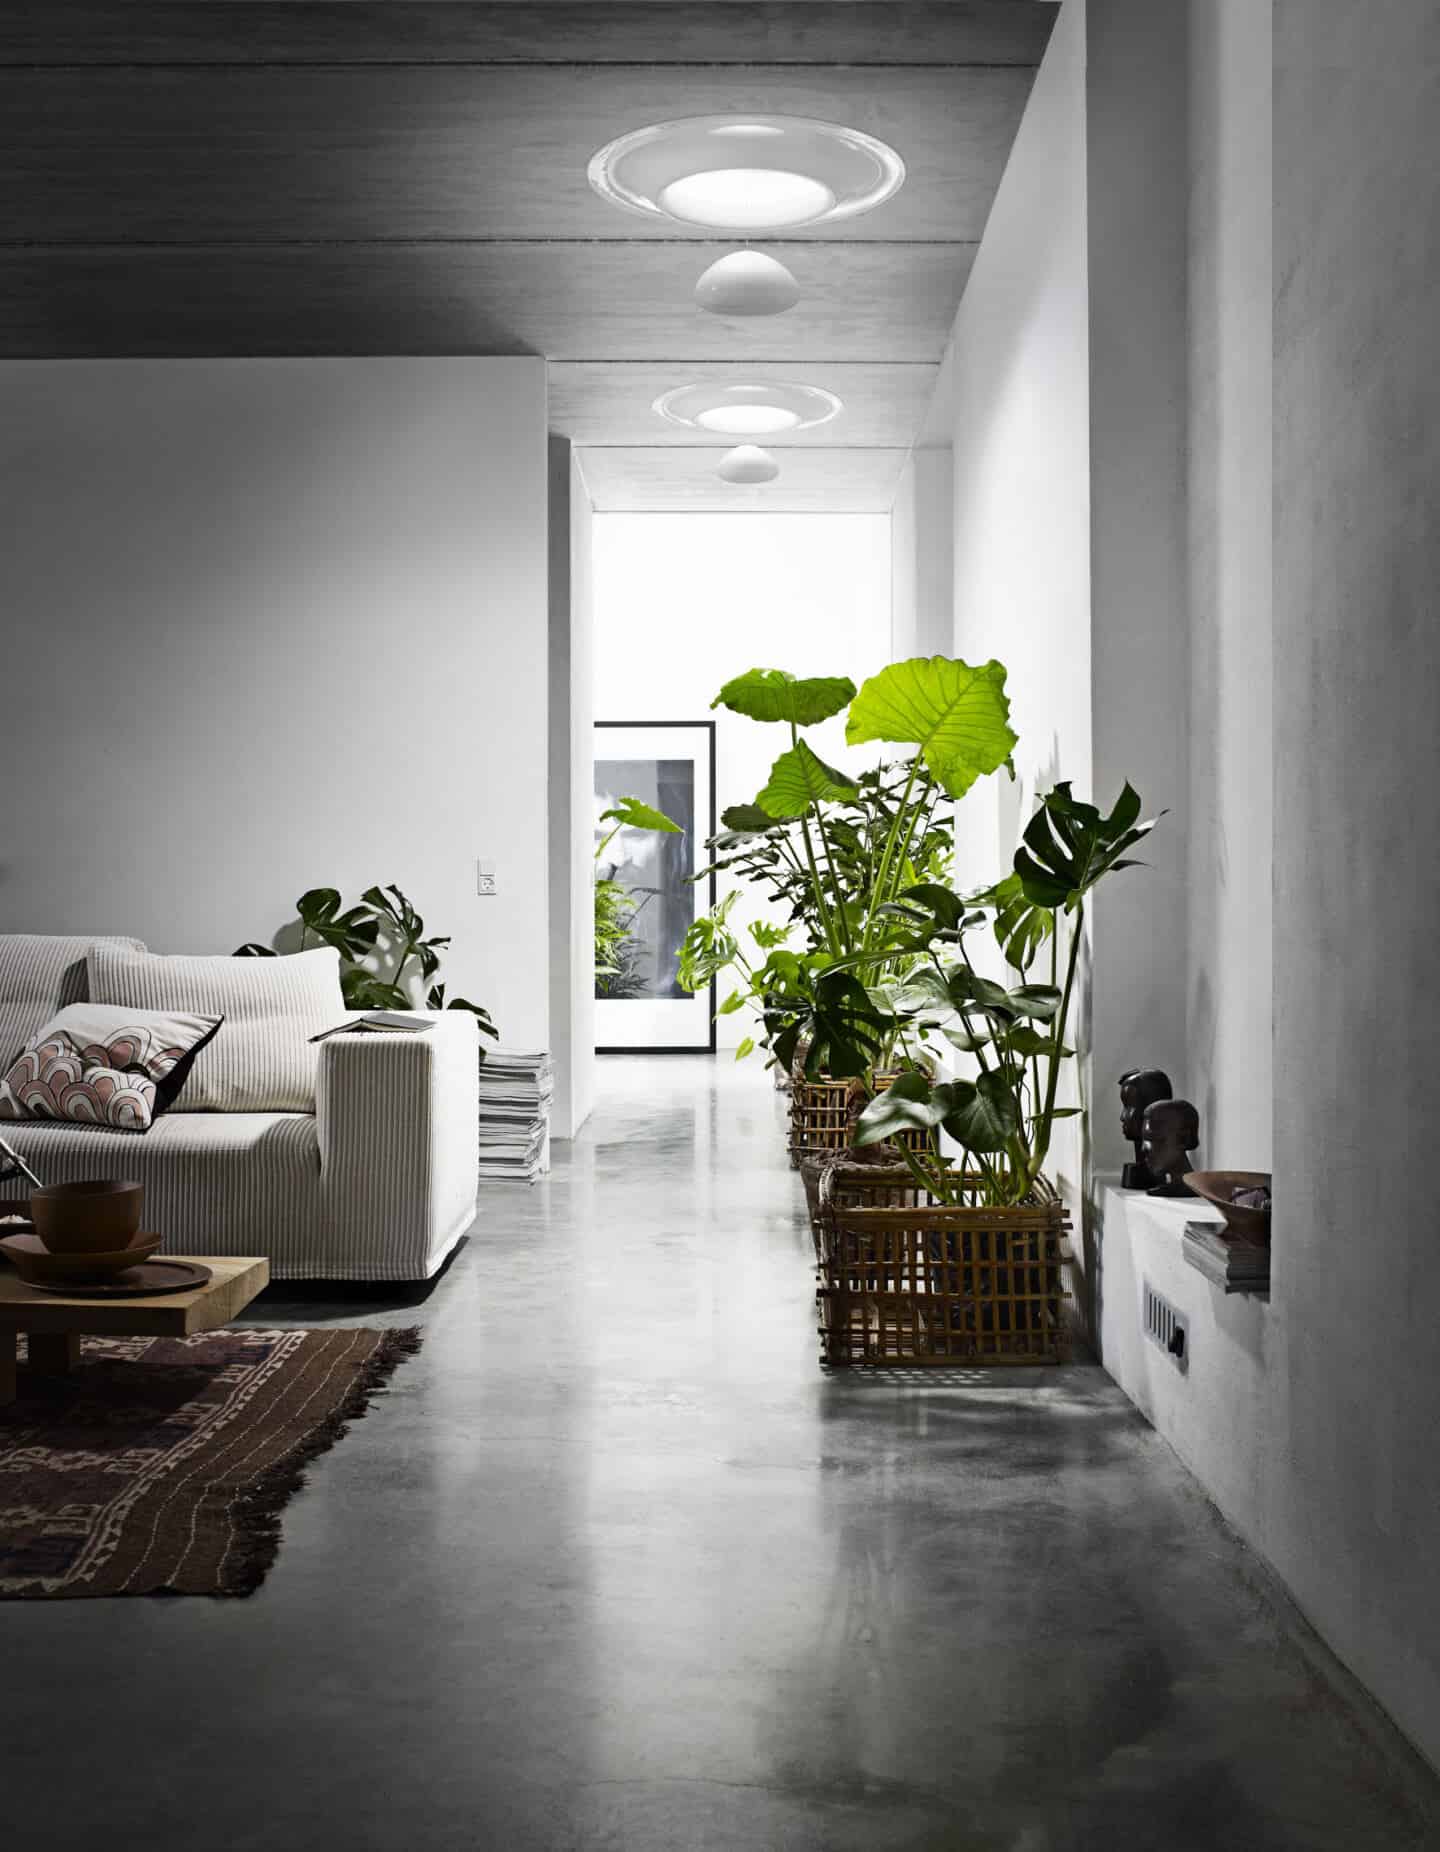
(408,176)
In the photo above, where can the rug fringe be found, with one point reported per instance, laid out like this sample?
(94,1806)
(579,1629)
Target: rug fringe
(256,1512)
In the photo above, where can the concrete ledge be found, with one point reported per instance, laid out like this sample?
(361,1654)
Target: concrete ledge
(1214,1411)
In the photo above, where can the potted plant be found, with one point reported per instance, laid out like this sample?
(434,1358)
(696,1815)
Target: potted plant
(937,1261)
(837,851)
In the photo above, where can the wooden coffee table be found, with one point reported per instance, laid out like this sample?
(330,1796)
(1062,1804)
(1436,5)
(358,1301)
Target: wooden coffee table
(55,1322)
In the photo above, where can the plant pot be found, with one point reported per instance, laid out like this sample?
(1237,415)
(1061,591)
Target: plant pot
(87,1218)
(823,1114)
(908,1281)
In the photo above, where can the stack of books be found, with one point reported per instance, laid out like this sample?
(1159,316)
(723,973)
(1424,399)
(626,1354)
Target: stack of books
(515,1094)
(1234,1265)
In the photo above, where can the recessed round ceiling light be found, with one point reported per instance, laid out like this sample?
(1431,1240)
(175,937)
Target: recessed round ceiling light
(747,173)
(747,283)
(758,408)
(748,463)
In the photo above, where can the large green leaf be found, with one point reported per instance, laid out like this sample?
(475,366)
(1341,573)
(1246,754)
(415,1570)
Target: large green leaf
(772,694)
(629,810)
(909,1104)
(985,1117)
(957,715)
(747,820)
(800,778)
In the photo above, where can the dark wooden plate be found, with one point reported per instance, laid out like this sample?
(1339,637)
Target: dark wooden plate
(142,1282)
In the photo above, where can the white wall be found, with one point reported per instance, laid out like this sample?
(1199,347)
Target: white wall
(922,555)
(1016,389)
(274,624)
(572,964)
(684,602)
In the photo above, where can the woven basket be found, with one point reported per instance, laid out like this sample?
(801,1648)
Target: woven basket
(823,1114)
(908,1281)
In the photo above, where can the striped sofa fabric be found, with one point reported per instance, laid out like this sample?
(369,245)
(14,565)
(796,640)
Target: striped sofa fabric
(377,1183)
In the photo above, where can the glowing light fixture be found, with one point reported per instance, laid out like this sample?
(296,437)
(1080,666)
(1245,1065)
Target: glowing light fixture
(756,408)
(747,173)
(747,283)
(748,463)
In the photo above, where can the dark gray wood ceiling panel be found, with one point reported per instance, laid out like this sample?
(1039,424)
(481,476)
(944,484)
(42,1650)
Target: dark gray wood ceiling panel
(927,32)
(569,301)
(684,482)
(207,155)
(612,403)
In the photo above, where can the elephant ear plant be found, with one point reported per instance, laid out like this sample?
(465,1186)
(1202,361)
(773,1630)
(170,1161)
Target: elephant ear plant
(838,850)
(1004,1116)
(356,933)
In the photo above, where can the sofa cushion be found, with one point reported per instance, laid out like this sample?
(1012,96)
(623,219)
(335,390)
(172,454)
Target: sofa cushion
(215,1183)
(262,1059)
(39,974)
(98,1064)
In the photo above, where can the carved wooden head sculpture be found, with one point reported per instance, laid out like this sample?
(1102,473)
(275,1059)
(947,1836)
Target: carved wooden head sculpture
(1170,1130)
(1140,1088)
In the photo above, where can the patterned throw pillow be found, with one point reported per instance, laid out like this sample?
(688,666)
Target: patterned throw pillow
(98,1064)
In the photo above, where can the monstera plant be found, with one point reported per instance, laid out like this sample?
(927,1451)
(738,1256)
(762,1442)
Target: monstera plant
(385,928)
(1003,1115)
(838,850)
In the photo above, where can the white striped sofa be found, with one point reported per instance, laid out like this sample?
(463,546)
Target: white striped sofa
(378,1183)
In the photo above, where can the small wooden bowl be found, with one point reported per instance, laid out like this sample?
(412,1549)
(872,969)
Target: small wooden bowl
(87,1218)
(1215,1186)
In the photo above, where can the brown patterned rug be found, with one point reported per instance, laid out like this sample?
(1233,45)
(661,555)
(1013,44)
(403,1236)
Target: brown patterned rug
(160,1466)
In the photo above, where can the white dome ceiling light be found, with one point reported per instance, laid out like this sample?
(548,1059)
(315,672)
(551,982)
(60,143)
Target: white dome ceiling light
(747,283)
(748,463)
(747,173)
(758,408)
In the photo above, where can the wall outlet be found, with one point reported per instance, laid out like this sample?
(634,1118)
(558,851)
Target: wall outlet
(485,882)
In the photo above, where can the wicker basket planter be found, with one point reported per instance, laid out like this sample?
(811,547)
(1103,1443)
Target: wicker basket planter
(823,1114)
(906,1280)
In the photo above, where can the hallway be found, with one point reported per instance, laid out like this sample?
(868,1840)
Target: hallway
(614,1566)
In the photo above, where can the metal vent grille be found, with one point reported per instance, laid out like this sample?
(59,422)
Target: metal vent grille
(1166,1328)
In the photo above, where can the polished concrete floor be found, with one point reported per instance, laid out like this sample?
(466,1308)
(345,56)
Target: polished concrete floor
(614,1568)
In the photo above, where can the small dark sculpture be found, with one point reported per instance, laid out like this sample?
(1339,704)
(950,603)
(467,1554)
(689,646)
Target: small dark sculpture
(1140,1088)
(1170,1130)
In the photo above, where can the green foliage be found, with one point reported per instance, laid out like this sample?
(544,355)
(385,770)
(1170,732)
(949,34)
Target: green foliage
(772,694)
(957,715)
(629,810)
(799,779)
(383,925)
(1004,1117)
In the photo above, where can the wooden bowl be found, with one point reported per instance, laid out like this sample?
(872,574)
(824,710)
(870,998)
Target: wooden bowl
(1216,1185)
(38,1266)
(87,1218)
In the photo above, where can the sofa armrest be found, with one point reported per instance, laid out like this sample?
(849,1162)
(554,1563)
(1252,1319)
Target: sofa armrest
(397,1116)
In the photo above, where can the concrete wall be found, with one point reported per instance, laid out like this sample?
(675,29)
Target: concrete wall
(1136,109)
(275,624)
(684,602)
(572,673)
(1354,1518)
(1228,1066)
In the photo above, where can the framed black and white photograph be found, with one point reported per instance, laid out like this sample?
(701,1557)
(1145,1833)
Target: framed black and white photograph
(653,900)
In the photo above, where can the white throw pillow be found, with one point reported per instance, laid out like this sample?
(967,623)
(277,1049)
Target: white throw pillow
(261,1059)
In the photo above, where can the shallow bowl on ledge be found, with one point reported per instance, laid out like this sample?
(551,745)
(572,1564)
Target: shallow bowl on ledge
(1216,1187)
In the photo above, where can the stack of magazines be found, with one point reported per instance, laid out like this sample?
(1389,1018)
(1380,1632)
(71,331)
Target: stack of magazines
(515,1094)
(1233,1265)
